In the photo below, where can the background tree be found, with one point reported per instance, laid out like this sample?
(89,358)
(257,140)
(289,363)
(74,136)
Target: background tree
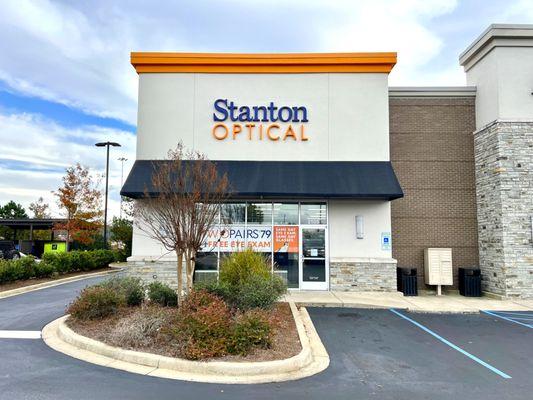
(127,208)
(181,205)
(40,209)
(12,210)
(81,201)
(122,232)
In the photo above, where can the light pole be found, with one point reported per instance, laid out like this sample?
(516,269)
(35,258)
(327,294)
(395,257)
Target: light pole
(106,144)
(121,159)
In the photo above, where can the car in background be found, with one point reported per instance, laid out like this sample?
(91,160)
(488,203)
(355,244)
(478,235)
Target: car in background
(8,251)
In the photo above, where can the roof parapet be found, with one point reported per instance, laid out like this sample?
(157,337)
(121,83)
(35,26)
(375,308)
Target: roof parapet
(496,35)
(263,63)
(432,91)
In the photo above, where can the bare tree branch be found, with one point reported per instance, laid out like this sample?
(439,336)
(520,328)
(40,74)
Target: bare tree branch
(181,205)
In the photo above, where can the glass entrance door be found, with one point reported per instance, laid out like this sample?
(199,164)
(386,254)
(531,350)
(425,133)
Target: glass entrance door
(314,271)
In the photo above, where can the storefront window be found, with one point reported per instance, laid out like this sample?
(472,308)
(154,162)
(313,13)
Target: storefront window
(259,213)
(232,213)
(273,229)
(285,214)
(313,213)
(286,248)
(206,267)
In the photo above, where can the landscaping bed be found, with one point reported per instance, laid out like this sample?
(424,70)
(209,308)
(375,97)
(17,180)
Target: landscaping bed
(112,330)
(236,318)
(35,281)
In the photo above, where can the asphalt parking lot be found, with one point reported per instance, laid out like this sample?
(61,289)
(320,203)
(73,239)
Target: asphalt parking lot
(374,354)
(391,357)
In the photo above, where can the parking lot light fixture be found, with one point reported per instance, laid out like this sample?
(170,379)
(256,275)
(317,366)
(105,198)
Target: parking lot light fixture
(106,144)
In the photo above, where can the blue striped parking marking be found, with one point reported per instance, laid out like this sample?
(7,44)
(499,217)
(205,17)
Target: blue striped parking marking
(513,313)
(507,317)
(453,346)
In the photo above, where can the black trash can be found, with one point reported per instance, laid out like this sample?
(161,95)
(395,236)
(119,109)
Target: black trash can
(406,281)
(470,282)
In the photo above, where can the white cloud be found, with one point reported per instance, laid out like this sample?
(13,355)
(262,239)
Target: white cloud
(77,53)
(402,27)
(36,151)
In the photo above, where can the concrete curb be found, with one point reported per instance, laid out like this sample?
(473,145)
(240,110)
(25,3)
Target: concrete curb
(318,304)
(311,360)
(56,282)
(449,304)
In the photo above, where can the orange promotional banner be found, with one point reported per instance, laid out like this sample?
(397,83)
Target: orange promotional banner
(286,239)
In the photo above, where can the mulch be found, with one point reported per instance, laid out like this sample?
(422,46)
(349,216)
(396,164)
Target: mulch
(285,343)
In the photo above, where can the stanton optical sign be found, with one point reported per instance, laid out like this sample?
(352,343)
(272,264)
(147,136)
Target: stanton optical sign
(264,122)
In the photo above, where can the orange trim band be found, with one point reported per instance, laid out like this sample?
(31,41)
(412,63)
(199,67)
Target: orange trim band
(263,63)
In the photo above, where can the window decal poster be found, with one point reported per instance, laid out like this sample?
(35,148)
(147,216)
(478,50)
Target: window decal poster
(286,239)
(235,238)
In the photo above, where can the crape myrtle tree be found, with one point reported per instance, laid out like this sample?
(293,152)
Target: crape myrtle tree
(81,201)
(181,206)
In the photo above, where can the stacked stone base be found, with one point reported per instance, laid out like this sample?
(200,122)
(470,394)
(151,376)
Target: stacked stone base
(163,270)
(349,275)
(363,275)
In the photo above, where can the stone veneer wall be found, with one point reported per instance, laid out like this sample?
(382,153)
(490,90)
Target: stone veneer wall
(504,185)
(363,275)
(159,270)
(350,275)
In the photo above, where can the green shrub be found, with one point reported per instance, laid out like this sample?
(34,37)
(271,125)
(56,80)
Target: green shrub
(63,262)
(55,264)
(203,326)
(44,270)
(257,292)
(78,260)
(246,282)
(251,329)
(13,270)
(28,266)
(95,302)
(102,258)
(51,259)
(239,267)
(130,288)
(214,287)
(162,294)
(10,271)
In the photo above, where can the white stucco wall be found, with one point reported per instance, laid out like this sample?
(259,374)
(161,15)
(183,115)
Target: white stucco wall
(348,121)
(348,115)
(504,81)
(144,247)
(344,245)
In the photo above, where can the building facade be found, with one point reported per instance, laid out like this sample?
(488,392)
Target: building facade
(339,178)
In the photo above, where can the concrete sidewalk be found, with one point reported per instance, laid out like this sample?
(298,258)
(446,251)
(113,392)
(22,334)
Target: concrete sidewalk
(448,303)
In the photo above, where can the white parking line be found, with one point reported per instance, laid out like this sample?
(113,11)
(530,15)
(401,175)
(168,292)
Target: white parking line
(453,346)
(20,334)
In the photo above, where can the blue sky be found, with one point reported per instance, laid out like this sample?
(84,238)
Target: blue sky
(66,81)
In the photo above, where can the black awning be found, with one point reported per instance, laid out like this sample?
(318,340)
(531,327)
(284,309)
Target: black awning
(288,179)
